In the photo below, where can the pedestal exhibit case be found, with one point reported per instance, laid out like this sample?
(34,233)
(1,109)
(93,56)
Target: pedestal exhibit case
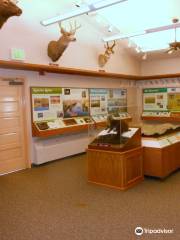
(115,154)
(160,129)
(161,152)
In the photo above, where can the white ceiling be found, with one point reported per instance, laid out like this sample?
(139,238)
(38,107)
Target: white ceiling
(126,17)
(136,15)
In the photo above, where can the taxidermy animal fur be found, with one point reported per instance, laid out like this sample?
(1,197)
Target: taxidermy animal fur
(103,58)
(57,48)
(8,9)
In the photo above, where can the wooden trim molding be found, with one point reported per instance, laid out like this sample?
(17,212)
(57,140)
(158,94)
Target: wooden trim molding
(42,69)
(52,132)
(163,119)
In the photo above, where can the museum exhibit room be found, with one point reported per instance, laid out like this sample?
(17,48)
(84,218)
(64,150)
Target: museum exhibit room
(89,119)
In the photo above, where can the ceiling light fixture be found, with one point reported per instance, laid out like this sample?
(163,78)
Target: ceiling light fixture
(82,10)
(138,49)
(144,57)
(140,33)
(174,46)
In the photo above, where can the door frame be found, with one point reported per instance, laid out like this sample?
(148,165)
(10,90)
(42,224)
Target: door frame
(25,126)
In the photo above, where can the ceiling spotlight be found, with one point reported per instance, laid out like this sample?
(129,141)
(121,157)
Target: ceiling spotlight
(138,50)
(144,57)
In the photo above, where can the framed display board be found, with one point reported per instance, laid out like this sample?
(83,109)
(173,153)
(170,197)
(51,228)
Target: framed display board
(58,109)
(46,103)
(75,102)
(174,99)
(155,99)
(108,101)
(161,99)
(98,101)
(117,100)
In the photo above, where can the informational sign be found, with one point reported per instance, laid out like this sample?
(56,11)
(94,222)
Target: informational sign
(46,103)
(98,101)
(75,102)
(108,101)
(174,99)
(155,99)
(161,99)
(117,100)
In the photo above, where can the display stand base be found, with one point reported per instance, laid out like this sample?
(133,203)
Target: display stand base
(161,162)
(120,170)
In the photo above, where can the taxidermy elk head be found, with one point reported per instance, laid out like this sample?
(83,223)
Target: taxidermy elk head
(8,8)
(56,48)
(103,58)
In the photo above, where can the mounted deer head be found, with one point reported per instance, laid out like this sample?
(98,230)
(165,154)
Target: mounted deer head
(8,9)
(56,48)
(103,58)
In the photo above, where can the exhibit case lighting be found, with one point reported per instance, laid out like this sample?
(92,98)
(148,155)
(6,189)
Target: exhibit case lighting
(94,6)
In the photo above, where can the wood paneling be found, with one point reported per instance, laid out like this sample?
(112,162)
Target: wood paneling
(160,162)
(53,132)
(163,119)
(13,154)
(42,69)
(118,170)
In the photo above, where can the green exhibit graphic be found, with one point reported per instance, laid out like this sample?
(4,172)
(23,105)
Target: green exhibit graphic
(155,99)
(161,99)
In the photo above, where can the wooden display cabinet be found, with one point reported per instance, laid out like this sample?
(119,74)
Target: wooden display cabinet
(120,170)
(116,165)
(160,162)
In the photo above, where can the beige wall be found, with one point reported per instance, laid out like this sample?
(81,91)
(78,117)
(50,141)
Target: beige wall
(34,79)
(160,66)
(26,32)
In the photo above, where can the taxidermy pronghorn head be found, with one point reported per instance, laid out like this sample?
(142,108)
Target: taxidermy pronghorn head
(8,8)
(103,58)
(56,48)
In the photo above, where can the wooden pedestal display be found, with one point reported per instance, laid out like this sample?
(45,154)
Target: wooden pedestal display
(160,162)
(119,170)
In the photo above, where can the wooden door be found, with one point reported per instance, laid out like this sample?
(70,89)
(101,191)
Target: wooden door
(13,155)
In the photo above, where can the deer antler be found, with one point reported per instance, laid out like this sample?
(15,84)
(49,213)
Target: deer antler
(114,44)
(75,27)
(72,30)
(106,45)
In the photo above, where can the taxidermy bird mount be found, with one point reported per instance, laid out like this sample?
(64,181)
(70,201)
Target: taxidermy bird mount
(174,46)
(8,8)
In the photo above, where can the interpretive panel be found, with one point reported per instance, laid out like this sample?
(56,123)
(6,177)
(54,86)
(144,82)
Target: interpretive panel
(46,103)
(75,102)
(107,101)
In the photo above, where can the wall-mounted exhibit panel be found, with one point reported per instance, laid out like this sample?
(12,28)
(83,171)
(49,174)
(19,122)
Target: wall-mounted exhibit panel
(108,101)
(58,110)
(161,103)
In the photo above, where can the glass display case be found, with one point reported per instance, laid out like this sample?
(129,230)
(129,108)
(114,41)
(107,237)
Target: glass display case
(115,135)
